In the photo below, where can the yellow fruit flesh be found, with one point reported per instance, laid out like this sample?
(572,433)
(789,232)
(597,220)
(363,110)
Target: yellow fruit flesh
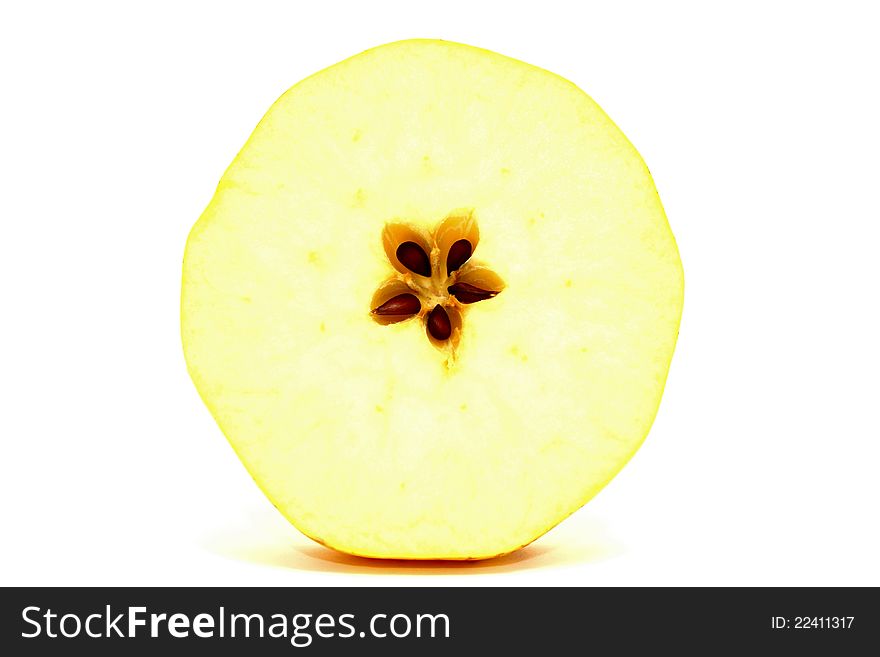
(364,436)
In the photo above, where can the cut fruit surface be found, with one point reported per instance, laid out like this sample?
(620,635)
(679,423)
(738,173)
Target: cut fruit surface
(417,176)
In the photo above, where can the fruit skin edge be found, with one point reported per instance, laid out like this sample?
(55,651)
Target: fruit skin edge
(599,487)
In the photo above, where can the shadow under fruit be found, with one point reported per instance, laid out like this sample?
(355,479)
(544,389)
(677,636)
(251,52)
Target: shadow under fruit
(433,302)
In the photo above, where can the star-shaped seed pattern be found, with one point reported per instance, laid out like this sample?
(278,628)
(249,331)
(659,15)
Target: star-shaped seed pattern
(435,278)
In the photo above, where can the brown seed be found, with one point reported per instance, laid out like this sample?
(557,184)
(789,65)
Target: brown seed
(402,304)
(459,253)
(467,293)
(414,258)
(439,325)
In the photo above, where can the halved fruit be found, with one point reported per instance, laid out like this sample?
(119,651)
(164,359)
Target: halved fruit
(433,302)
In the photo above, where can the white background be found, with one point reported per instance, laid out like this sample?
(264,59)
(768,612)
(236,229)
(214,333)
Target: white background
(759,123)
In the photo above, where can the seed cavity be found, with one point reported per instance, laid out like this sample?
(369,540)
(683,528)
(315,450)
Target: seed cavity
(414,258)
(401,305)
(419,288)
(467,293)
(459,253)
(457,237)
(439,325)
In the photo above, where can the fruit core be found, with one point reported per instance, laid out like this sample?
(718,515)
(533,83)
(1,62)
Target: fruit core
(435,280)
